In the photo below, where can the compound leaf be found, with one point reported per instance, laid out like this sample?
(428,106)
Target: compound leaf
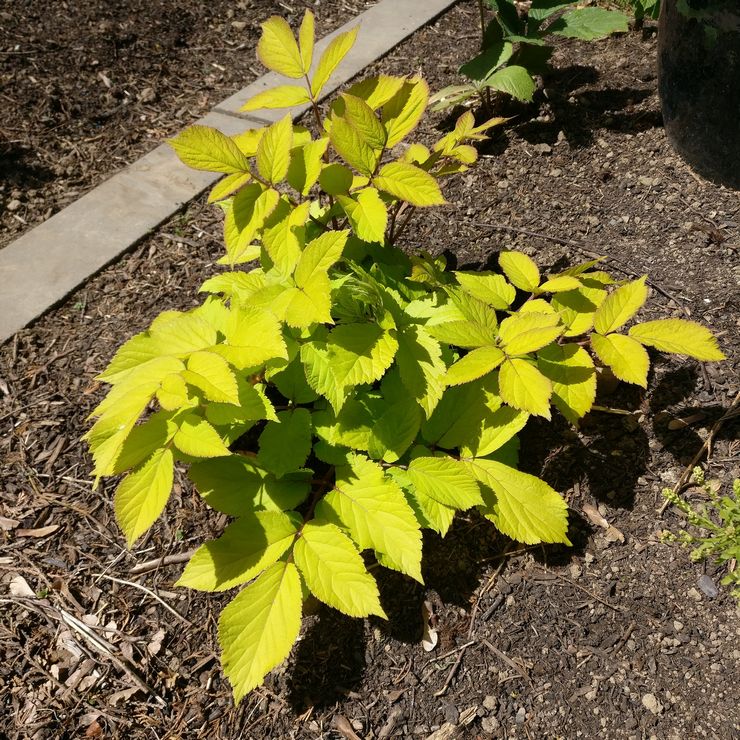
(278,50)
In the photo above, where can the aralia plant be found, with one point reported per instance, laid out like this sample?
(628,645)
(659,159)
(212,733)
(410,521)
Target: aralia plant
(335,395)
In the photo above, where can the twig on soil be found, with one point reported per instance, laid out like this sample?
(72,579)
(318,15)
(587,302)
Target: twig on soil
(148,591)
(619,265)
(585,590)
(147,565)
(705,448)
(453,671)
(509,662)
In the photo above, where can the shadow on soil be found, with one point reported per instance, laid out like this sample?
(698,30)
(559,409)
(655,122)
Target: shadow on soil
(17,167)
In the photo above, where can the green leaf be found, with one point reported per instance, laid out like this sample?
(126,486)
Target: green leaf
(212,374)
(626,357)
(445,480)
(245,216)
(258,628)
(589,24)
(541,9)
(360,353)
(243,551)
(319,369)
(374,510)
(142,495)
(488,287)
(283,240)
(571,371)
(559,284)
(253,336)
(351,147)
(524,387)
(620,306)
(204,148)
(498,428)
(404,110)
(420,364)
(319,255)
(273,152)
(680,337)
(513,80)
(277,48)
(305,165)
(334,571)
(235,486)
(330,59)
(282,96)
(474,365)
(228,185)
(367,214)
(144,440)
(335,179)
(466,334)
(528,332)
(361,116)
(520,270)
(308,304)
(377,91)
(409,183)
(173,392)
(488,61)
(197,438)
(396,428)
(306,39)
(285,444)
(292,384)
(521,506)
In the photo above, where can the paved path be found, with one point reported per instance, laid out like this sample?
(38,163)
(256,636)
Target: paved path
(47,263)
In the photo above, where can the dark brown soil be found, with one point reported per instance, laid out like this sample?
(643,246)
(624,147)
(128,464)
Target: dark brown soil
(88,87)
(609,639)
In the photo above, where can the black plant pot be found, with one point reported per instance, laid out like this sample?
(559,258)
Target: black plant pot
(699,83)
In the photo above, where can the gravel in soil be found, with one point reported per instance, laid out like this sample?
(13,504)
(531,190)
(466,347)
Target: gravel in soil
(620,636)
(90,86)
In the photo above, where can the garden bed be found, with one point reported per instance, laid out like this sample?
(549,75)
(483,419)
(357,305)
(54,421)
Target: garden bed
(616,637)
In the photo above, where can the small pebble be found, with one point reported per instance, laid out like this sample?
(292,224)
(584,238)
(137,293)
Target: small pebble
(650,702)
(14,205)
(490,703)
(521,715)
(707,585)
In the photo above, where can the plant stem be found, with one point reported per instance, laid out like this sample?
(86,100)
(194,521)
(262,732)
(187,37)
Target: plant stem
(482,12)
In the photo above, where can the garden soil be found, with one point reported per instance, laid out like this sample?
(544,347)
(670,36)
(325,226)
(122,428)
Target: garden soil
(620,636)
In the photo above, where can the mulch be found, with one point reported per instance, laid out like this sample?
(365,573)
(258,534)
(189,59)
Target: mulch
(621,636)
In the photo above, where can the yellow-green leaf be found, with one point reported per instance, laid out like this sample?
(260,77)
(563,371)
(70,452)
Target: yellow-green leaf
(403,111)
(361,116)
(173,393)
(680,337)
(212,374)
(571,371)
(559,284)
(445,480)
(230,184)
(488,287)
(620,306)
(245,216)
(409,183)
(528,332)
(474,365)
(377,91)
(277,48)
(282,96)
(308,304)
(330,59)
(258,628)
(142,495)
(520,269)
(305,165)
(245,549)
(273,152)
(497,429)
(367,214)
(197,438)
(335,179)
(306,39)
(253,336)
(204,148)
(281,241)
(248,140)
(334,571)
(351,146)
(524,387)
(626,357)
(319,255)
(520,505)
